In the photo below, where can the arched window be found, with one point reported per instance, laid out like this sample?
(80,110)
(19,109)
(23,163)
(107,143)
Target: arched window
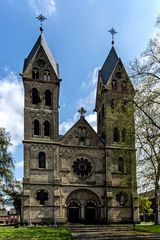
(35,73)
(114,85)
(36,126)
(48,98)
(42,160)
(47,75)
(116,135)
(120,164)
(123,134)
(46,129)
(35,96)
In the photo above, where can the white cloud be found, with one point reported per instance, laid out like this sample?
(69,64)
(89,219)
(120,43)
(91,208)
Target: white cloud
(11,106)
(19,164)
(92,119)
(66,125)
(90,84)
(88,102)
(46,7)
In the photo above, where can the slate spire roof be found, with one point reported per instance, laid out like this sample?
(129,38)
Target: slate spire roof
(109,65)
(41,42)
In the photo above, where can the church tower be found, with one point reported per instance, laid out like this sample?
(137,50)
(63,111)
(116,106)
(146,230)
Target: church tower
(115,127)
(41,122)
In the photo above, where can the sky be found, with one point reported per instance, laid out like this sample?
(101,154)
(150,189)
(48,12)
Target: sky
(77,34)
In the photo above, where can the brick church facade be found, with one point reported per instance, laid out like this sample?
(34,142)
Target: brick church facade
(82,176)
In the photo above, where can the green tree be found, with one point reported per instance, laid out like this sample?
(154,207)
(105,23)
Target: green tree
(6,163)
(13,192)
(145,205)
(146,75)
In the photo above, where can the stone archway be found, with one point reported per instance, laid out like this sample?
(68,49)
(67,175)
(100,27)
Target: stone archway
(73,211)
(91,212)
(83,206)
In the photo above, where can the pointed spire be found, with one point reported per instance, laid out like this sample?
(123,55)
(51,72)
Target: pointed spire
(109,65)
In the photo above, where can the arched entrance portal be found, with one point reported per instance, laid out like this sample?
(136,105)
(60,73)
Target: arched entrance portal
(73,214)
(83,206)
(90,212)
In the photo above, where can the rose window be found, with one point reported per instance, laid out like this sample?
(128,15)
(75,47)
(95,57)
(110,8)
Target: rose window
(82,167)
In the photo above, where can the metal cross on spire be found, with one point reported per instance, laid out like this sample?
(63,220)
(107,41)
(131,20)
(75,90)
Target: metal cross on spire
(112,31)
(41,18)
(82,111)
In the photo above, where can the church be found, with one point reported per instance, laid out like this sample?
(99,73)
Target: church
(83,176)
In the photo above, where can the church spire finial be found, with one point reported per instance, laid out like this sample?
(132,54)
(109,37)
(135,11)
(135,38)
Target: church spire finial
(41,18)
(112,31)
(82,111)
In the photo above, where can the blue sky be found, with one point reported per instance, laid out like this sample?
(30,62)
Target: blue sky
(77,33)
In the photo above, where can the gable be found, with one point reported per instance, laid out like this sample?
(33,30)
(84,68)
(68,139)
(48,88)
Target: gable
(40,54)
(40,46)
(81,134)
(120,75)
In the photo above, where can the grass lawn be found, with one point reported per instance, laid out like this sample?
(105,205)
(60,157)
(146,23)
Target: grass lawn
(148,228)
(34,233)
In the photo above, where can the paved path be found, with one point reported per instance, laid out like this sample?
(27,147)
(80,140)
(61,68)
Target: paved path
(106,232)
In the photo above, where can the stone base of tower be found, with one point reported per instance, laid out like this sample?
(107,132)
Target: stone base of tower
(120,215)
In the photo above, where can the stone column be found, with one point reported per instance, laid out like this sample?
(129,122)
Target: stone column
(82,212)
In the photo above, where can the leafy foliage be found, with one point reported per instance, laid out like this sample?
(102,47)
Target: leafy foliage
(145,205)
(13,193)
(146,75)
(6,163)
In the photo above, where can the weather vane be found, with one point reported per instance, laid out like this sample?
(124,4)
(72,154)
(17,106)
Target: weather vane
(41,18)
(112,31)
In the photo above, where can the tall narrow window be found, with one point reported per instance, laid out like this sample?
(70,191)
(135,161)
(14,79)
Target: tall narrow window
(47,75)
(123,135)
(46,129)
(48,98)
(35,73)
(121,165)
(36,126)
(42,160)
(114,85)
(116,135)
(35,96)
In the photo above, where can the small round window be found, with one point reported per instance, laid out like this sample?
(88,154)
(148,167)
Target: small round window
(82,167)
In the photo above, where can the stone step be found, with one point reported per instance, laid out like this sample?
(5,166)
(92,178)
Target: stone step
(108,232)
